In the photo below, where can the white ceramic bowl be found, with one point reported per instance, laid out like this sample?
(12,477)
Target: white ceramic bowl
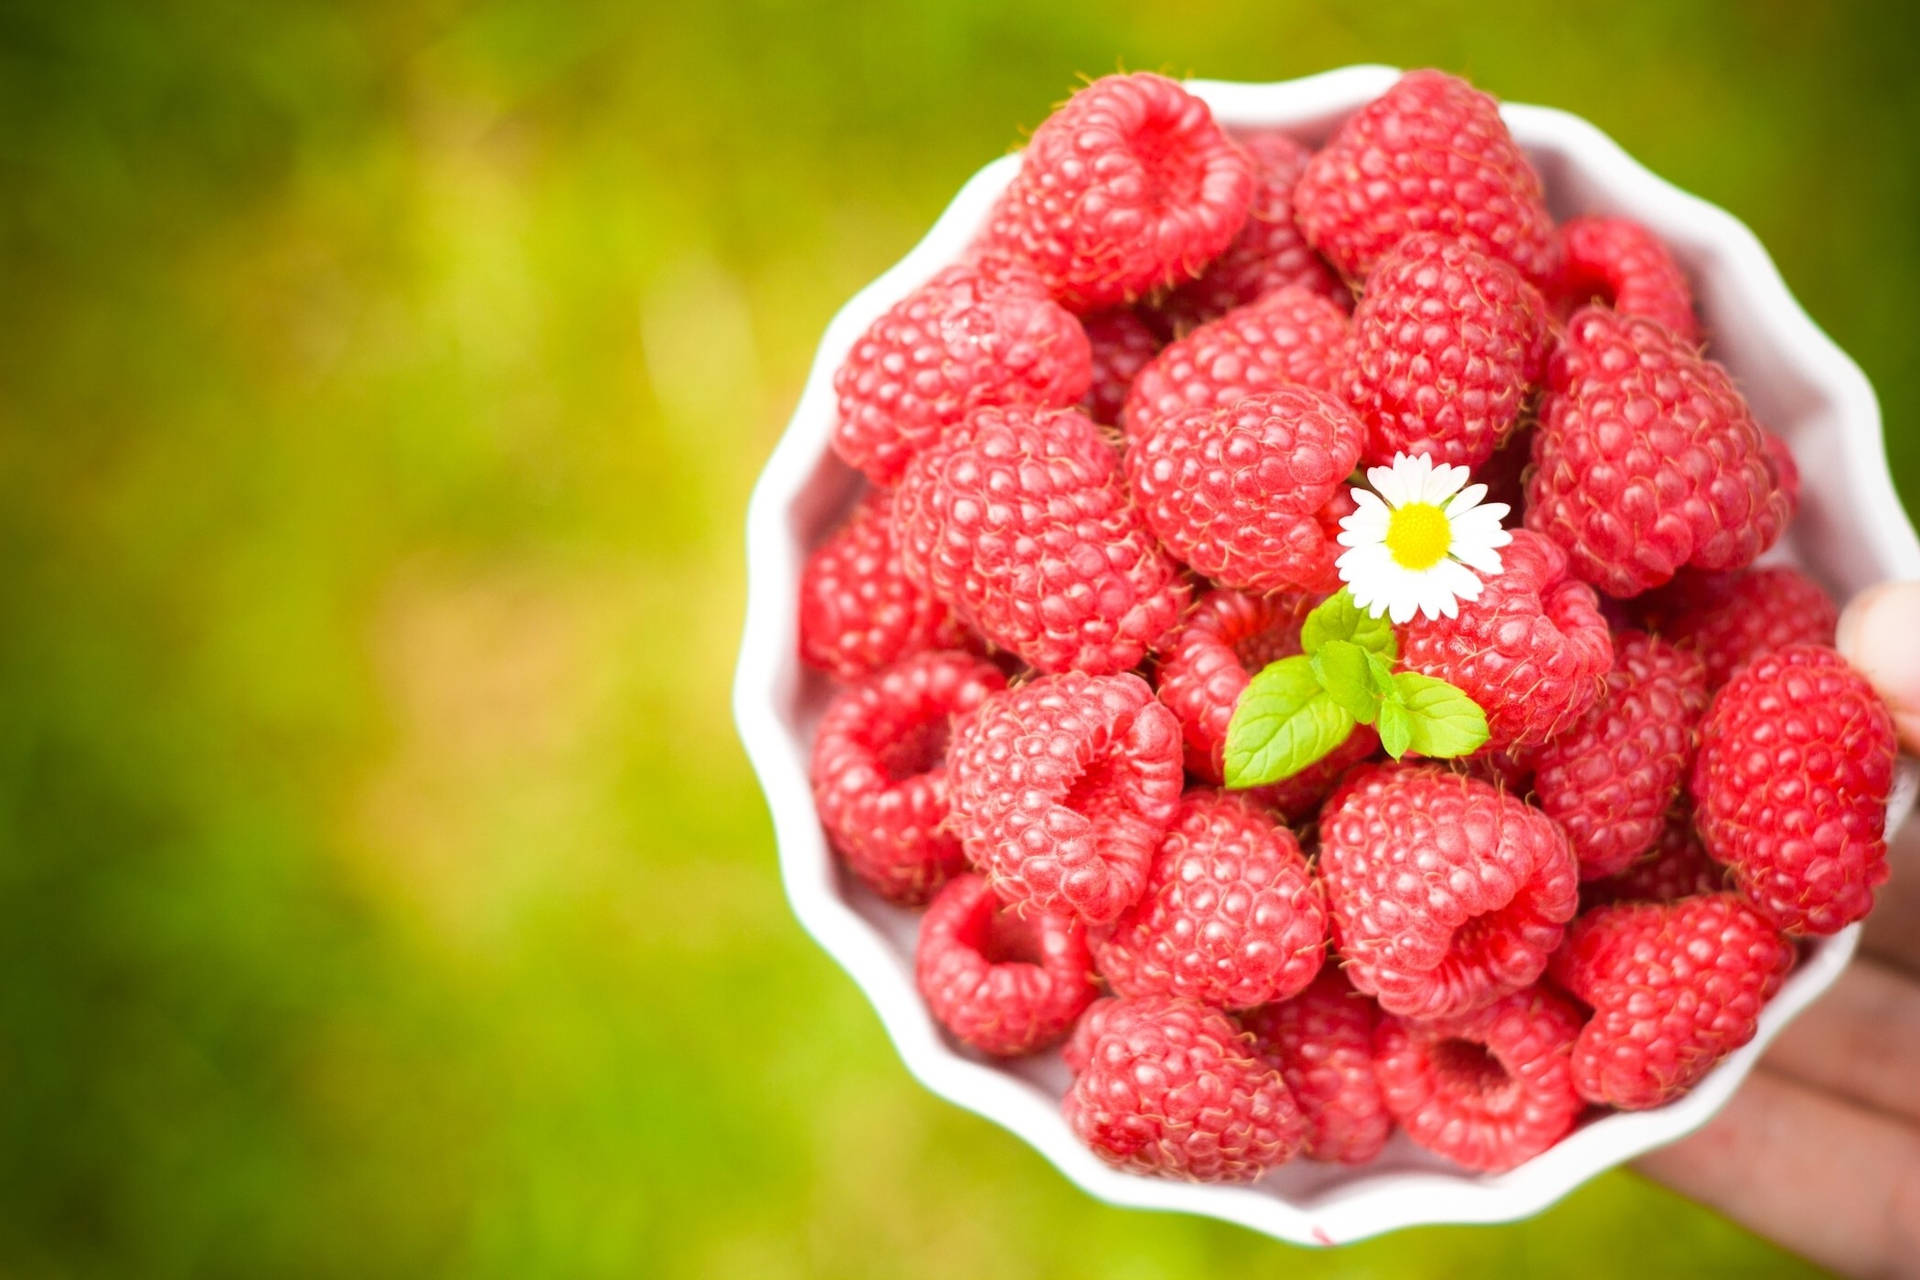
(1850,532)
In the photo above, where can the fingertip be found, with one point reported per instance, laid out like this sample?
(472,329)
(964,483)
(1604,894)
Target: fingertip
(1880,635)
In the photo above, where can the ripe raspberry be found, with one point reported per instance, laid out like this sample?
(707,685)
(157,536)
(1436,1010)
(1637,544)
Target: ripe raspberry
(1208,662)
(1122,345)
(1231,916)
(1322,1040)
(1674,987)
(1128,187)
(1172,1087)
(1006,982)
(1647,459)
(858,611)
(1290,336)
(1242,493)
(1488,1090)
(1269,253)
(1621,264)
(1676,867)
(1061,789)
(1610,779)
(1790,787)
(1446,892)
(971,336)
(880,777)
(1532,650)
(1431,154)
(1729,619)
(1020,519)
(1447,344)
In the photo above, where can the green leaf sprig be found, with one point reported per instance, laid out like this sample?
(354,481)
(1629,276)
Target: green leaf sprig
(1297,710)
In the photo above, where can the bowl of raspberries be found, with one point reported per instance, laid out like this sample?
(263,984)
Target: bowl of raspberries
(1290,650)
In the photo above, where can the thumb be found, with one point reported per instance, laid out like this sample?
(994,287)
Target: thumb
(1880,635)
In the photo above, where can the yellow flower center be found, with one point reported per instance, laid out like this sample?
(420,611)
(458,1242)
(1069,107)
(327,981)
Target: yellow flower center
(1418,535)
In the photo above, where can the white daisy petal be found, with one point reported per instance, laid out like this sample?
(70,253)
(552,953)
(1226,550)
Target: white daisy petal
(1443,482)
(1467,499)
(1386,481)
(1458,580)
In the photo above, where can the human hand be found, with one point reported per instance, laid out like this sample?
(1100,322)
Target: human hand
(1820,1149)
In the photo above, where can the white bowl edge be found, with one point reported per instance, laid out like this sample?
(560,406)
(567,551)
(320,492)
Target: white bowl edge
(1412,1189)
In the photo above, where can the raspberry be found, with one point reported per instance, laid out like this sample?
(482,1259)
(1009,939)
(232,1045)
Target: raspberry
(1676,867)
(1269,253)
(1298,798)
(1004,981)
(1322,1040)
(1021,521)
(1128,187)
(1172,1087)
(1290,336)
(1208,662)
(1674,987)
(1647,459)
(879,771)
(1447,343)
(1231,916)
(1446,892)
(1061,789)
(1619,263)
(1610,779)
(1790,787)
(1488,1090)
(1122,345)
(858,610)
(1532,650)
(971,336)
(1243,493)
(1431,154)
(1729,619)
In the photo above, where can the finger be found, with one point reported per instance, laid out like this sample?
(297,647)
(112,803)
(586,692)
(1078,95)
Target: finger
(1818,1175)
(1861,1040)
(1877,634)
(1893,928)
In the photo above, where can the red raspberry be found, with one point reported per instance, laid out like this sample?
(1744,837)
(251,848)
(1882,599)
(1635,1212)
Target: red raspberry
(1621,264)
(1446,892)
(1488,1090)
(1269,253)
(1647,459)
(1431,154)
(1676,867)
(1729,619)
(1505,473)
(858,610)
(1610,779)
(1231,916)
(1021,521)
(880,777)
(1006,982)
(1122,345)
(971,336)
(1061,789)
(1204,667)
(1128,187)
(1322,1040)
(1675,987)
(1532,650)
(1290,336)
(1447,344)
(1242,493)
(1790,787)
(1172,1087)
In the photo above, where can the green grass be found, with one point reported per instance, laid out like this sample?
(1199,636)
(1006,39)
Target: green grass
(380,387)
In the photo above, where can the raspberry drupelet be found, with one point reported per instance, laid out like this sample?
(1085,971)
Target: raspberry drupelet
(1006,982)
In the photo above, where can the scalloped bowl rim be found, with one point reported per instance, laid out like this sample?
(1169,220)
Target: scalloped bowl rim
(1349,1204)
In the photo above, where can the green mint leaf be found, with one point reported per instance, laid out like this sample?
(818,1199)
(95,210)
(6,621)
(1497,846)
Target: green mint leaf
(1381,671)
(1442,721)
(1396,728)
(1283,722)
(1345,674)
(1339,618)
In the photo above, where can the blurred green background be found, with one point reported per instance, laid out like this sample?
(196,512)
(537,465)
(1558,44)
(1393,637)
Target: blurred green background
(382,888)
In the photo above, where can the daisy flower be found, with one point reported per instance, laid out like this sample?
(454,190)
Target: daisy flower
(1419,540)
